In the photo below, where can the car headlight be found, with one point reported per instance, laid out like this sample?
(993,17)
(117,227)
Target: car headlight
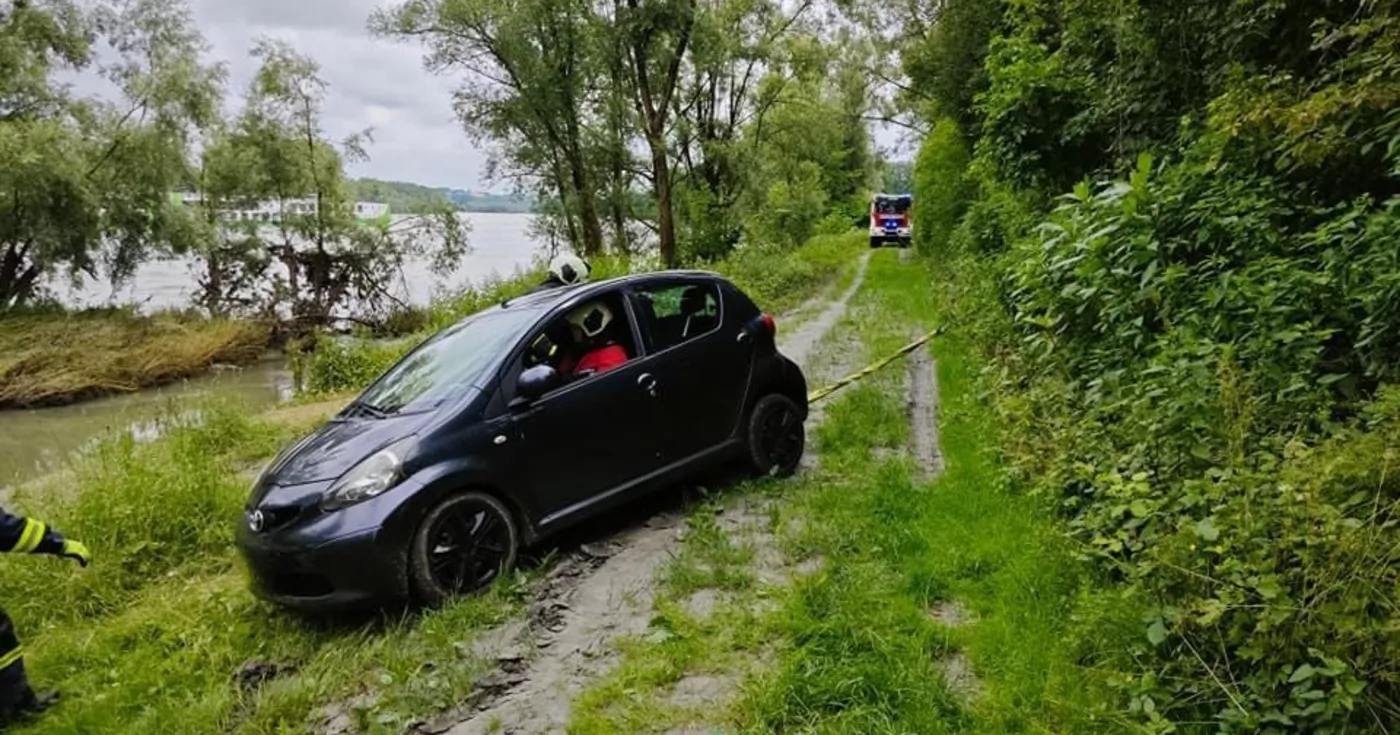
(371,477)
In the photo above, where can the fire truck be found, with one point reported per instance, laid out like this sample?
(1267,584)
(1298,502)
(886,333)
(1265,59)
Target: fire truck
(891,220)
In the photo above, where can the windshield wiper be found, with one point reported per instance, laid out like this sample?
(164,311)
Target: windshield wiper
(360,408)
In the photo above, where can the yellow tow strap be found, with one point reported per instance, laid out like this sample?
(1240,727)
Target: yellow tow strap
(8,659)
(821,393)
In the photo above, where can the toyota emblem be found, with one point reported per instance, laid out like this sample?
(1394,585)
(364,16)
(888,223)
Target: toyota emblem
(255,521)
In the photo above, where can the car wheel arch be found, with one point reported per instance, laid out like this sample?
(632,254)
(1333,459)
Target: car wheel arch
(454,478)
(789,382)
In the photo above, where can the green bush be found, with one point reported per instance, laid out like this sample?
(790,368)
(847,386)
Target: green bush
(941,188)
(791,209)
(1195,362)
(340,364)
(777,279)
(1206,350)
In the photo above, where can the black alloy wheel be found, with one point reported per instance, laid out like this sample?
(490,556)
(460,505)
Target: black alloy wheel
(464,544)
(777,437)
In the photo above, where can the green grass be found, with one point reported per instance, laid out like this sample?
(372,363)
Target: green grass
(853,648)
(53,358)
(152,636)
(779,279)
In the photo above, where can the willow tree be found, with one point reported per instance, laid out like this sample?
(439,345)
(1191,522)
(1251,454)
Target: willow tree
(84,183)
(733,47)
(525,73)
(276,152)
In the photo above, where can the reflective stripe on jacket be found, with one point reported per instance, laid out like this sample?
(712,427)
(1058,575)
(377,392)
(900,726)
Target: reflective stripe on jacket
(20,535)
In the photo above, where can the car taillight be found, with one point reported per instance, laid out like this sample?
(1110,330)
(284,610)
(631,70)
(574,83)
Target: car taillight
(770,324)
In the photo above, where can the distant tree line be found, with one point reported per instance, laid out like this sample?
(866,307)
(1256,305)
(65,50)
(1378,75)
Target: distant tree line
(408,198)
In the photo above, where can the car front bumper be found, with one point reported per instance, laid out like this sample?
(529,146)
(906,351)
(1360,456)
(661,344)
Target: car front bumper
(346,559)
(357,570)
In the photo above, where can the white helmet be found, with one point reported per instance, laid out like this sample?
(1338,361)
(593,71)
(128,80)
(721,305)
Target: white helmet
(592,318)
(569,269)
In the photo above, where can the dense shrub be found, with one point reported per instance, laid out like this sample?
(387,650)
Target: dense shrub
(1193,362)
(791,209)
(942,188)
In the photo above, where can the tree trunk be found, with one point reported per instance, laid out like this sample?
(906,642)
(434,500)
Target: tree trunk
(16,277)
(587,205)
(564,208)
(665,220)
(654,106)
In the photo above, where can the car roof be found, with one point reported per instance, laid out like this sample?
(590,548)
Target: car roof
(553,296)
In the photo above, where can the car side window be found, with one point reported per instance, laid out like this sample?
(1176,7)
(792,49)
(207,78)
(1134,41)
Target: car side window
(675,313)
(593,338)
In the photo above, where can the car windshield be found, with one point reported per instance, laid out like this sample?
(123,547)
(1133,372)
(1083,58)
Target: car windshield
(447,363)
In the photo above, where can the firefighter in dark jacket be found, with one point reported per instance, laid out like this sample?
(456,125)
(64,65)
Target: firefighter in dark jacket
(26,536)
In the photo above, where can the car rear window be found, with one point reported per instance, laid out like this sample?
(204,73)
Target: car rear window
(675,313)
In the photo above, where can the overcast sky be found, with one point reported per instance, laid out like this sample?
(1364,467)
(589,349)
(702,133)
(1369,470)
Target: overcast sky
(373,83)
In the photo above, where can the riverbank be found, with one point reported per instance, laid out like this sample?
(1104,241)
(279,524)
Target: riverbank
(56,358)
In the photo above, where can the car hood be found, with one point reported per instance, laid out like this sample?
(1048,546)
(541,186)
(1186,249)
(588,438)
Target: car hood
(330,451)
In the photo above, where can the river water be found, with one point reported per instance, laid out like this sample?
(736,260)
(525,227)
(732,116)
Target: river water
(37,440)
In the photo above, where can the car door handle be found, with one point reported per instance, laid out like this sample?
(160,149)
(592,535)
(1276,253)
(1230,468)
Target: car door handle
(647,382)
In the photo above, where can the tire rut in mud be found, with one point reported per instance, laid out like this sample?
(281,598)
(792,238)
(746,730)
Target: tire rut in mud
(923,414)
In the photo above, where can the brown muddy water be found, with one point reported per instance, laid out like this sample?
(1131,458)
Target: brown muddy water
(36,441)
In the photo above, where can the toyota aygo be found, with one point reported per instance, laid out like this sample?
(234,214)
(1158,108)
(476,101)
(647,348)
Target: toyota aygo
(517,422)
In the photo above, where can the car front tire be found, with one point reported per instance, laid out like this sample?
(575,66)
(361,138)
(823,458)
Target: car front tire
(876,242)
(776,436)
(464,543)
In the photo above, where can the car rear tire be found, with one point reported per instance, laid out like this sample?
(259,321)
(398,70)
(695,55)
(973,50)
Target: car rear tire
(464,543)
(776,436)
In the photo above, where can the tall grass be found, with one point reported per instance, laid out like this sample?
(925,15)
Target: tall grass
(852,645)
(151,637)
(49,358)
(864,645)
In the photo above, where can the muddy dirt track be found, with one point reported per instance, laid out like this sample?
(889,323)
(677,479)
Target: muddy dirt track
(604,590)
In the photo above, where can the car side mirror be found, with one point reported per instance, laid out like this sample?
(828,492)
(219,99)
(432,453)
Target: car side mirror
(537,381)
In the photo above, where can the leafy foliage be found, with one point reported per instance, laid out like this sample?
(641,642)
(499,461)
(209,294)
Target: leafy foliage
(1196,361)
(676,124)
(275,151)
(941,177)
(83,182)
